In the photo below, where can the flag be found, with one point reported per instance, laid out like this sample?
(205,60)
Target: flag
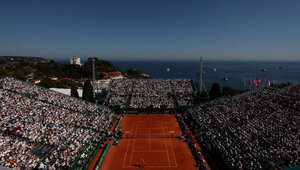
(255,81)
(268,81)
(250,81)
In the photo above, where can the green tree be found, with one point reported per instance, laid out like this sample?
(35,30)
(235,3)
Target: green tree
(132,73)
(227,91)
(100,66)
(2,61)
(67,83)
(22,63)
(27,70)
(19,74)
(2,71)
(47,83)
(215,90)
(87,93)
(74,91)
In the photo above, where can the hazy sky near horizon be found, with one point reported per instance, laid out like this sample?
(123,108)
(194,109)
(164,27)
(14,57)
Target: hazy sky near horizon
(151,29)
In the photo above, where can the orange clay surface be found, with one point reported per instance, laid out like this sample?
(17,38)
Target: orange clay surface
(158,153)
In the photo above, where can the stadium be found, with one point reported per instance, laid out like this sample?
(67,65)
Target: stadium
(150,124)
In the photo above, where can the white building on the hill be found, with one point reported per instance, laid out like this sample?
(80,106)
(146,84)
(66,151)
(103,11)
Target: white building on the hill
(75,61)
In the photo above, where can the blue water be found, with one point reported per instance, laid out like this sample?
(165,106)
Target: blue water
(235,71)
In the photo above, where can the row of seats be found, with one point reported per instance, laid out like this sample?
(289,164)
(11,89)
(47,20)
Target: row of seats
(151,93)
(254,131)
(38,123)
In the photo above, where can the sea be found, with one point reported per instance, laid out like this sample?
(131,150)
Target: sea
(236,73)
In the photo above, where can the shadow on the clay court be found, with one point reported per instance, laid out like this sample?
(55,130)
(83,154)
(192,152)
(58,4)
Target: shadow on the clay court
(136,165)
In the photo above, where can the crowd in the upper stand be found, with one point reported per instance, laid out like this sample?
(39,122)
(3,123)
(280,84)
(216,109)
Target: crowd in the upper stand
(153,93)
(182,86)
(38,123)
(47,95)
(183,92)
(254,131)
(116,100)
(121,86)
(184,99)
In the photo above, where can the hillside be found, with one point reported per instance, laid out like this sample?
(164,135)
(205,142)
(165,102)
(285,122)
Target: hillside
(16,59)
(37,67)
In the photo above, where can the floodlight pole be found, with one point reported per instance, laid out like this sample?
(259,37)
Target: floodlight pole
(201,76)
(93,83)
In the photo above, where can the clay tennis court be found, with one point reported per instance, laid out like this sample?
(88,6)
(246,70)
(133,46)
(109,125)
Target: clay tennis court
(150,140)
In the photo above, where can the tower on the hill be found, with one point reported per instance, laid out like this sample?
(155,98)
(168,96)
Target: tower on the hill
(75,61)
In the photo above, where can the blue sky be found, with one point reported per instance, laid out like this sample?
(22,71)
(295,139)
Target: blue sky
(151,29)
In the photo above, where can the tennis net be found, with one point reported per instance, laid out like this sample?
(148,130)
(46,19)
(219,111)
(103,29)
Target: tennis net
(171,135)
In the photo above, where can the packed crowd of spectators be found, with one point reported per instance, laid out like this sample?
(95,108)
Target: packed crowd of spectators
(153,93)
(183,91)
(184,99)
(151,101)
(253,131)
(15,153)
(121,86)
(117,100)
(151,86)
(182,86)
(49,96)
(33,117)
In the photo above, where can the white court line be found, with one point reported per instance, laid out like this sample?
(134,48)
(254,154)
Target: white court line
(147,166)
(133,144)
(162,127)
(130,166)
(160,166)
(151,128)
(127,147)
(171,146)
(146,121)
(150,151)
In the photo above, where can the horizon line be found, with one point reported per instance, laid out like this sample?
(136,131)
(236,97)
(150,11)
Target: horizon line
(148,59)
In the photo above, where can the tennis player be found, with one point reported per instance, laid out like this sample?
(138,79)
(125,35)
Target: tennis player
(143,163)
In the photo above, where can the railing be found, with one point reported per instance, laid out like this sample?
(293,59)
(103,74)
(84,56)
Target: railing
(97,149)
(87,145)
(102,156)
(119,122)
